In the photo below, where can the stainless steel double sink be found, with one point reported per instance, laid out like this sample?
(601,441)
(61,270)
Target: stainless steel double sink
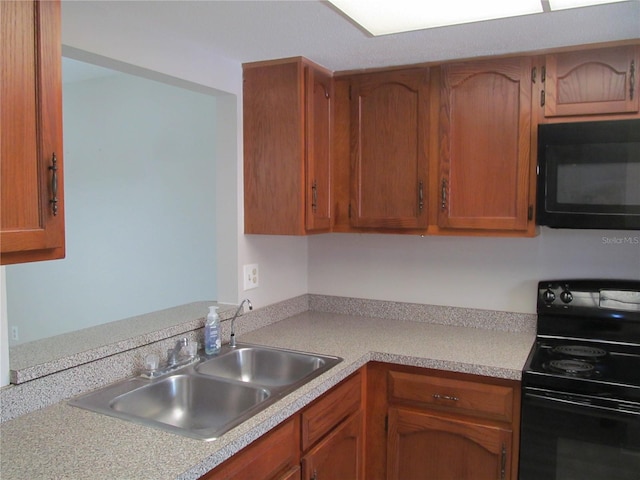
(210,397)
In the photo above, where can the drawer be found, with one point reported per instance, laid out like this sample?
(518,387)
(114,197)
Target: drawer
(467,397)
(322,416)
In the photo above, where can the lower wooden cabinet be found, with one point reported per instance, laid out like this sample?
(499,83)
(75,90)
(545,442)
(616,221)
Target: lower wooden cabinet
(274,456)
(431,424)
(339,455)
(426,445)
(393,422)
(323,442)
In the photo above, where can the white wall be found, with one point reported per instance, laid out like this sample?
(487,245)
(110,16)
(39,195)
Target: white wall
(283,260)
(486,273)
(140,193)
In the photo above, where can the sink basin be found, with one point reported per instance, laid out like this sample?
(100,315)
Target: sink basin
(188,404)
(185,401)
(265,366)
(208,398)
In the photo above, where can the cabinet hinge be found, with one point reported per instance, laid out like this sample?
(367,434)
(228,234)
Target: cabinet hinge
(530,213)
(386,424)
(503,462)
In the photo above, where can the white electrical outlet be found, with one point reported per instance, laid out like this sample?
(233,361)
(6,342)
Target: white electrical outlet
(14,333)
(250,273)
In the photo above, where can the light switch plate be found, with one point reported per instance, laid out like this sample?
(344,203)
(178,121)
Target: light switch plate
(250,274)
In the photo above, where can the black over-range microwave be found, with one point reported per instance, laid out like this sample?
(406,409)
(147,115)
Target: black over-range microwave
(589,175)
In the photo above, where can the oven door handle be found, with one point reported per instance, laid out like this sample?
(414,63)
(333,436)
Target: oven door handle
(567,400)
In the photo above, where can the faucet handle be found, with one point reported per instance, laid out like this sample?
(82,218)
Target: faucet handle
(192,348)
(151,362)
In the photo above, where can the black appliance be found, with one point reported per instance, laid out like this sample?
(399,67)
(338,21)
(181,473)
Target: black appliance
(580,416)
(589,175)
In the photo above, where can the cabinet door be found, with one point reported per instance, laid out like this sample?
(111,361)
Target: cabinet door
(424,446)
(319,100)
(485,122)
(32,224)
(287,112)
(592,82)
(389,116)
(274,149)
(339,455)
(273,456)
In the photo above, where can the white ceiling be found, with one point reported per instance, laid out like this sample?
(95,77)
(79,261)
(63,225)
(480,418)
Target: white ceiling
(265,29)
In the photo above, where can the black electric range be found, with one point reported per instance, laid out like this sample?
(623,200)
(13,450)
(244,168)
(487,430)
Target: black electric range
(581,383)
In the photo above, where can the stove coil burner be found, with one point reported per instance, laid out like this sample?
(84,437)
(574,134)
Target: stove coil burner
(575,368)
(580,351)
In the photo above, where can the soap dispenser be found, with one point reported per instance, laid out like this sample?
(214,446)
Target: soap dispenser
(212,333)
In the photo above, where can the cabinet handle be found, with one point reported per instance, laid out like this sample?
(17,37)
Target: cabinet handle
(451,398)
(314,197)
(314,475)
(632,79)
(443,195)
(54,184)
(503,462)
(420,196)
(542,98)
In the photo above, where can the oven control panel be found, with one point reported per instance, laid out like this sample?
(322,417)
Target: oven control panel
(563,295)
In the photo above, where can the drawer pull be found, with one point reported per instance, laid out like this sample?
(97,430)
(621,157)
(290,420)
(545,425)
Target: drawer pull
(451,398)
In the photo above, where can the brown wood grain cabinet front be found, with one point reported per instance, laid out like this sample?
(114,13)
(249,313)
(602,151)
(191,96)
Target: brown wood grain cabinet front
(333,433)
(389,151)
(393,422)
(592,82)
(427,445)
(32,222)
(485,146)
(323,442)
(339,455)
(424,423)
(272,457)
(287,108)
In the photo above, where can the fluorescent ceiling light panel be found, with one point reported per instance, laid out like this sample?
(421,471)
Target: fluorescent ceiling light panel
(565,4)
(381,17)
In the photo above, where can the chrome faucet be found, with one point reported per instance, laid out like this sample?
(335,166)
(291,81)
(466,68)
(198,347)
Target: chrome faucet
(232,341)
(154,368)
(173,354)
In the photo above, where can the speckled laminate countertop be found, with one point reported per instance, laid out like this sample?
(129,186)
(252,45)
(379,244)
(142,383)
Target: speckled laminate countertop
(65,442)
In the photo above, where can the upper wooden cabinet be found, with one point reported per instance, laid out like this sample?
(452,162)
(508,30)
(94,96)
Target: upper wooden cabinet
(485,128)
(592,82)
(389,125)
(447,150)
(287,133)
(32,223)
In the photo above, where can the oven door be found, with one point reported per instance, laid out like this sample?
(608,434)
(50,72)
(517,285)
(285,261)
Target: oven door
(577,437)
